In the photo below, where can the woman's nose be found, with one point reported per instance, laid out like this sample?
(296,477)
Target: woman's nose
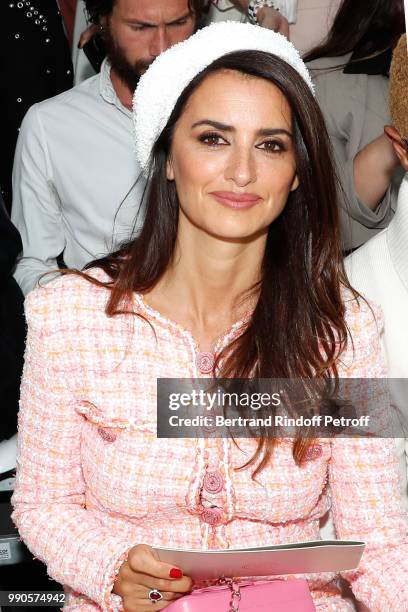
(241,167)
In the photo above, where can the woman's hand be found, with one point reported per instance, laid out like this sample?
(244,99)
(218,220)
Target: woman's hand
(143,572)
(374,167)
(273,20)
(398,144)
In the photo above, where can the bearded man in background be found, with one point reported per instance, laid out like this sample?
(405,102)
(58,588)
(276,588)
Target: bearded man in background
(77,188)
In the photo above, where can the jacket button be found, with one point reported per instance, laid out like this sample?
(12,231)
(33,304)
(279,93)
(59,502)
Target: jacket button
(212,516)
(213,482)
(205,362)
(106,435)
(313,452)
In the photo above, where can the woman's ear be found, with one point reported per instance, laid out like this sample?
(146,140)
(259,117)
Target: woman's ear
(295,183)
(169,169)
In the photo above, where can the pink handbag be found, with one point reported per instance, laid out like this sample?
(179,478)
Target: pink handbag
(257,596)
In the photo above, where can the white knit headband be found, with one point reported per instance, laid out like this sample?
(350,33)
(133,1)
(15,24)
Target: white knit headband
(170,73)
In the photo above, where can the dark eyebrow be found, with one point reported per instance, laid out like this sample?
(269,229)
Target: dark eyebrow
(155,25)
(229,128)
(274,132)
(215,124)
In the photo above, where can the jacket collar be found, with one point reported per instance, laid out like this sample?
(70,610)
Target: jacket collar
(379,64)
(397,235)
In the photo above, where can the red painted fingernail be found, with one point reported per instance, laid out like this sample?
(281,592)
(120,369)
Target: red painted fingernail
(175,573)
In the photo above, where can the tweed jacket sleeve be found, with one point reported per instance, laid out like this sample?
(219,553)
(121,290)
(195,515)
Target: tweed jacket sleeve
(367,506)
(49,500)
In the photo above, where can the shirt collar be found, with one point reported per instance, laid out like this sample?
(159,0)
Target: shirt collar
(107,90)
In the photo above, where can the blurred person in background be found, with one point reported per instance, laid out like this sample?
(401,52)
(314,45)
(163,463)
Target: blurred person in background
(77,188)
(350,70)
(89,50)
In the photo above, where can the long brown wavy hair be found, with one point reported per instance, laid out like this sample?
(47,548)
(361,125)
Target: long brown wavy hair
(297,328)
(366,28)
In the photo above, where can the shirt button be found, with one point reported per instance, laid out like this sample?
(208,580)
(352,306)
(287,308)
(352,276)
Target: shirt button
(213,482)
(106,435)
(212,516)
(205,362)
(313,452)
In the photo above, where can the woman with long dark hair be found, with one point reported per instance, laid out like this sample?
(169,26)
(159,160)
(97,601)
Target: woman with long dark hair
(350,70)
(237,272)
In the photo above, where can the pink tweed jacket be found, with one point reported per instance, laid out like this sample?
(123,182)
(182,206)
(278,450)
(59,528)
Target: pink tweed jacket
(93,480)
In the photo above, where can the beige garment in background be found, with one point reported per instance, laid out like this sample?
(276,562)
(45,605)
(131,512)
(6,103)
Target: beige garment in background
(356,109)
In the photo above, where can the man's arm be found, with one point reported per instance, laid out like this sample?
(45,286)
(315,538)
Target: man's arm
(36,208)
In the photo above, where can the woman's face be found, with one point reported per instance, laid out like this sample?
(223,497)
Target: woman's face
(232,156)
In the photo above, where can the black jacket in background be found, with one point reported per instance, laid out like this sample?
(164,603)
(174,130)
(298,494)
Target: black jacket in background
(35,64)
(12,327)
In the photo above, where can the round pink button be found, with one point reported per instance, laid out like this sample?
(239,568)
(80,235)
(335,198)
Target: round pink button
(212,516)
(213,482)
(314,452)
(205,362)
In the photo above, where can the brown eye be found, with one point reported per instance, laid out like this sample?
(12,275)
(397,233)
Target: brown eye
(272,146)
(212,139)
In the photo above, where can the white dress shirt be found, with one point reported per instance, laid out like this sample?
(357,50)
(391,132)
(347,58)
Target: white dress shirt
(76,182)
